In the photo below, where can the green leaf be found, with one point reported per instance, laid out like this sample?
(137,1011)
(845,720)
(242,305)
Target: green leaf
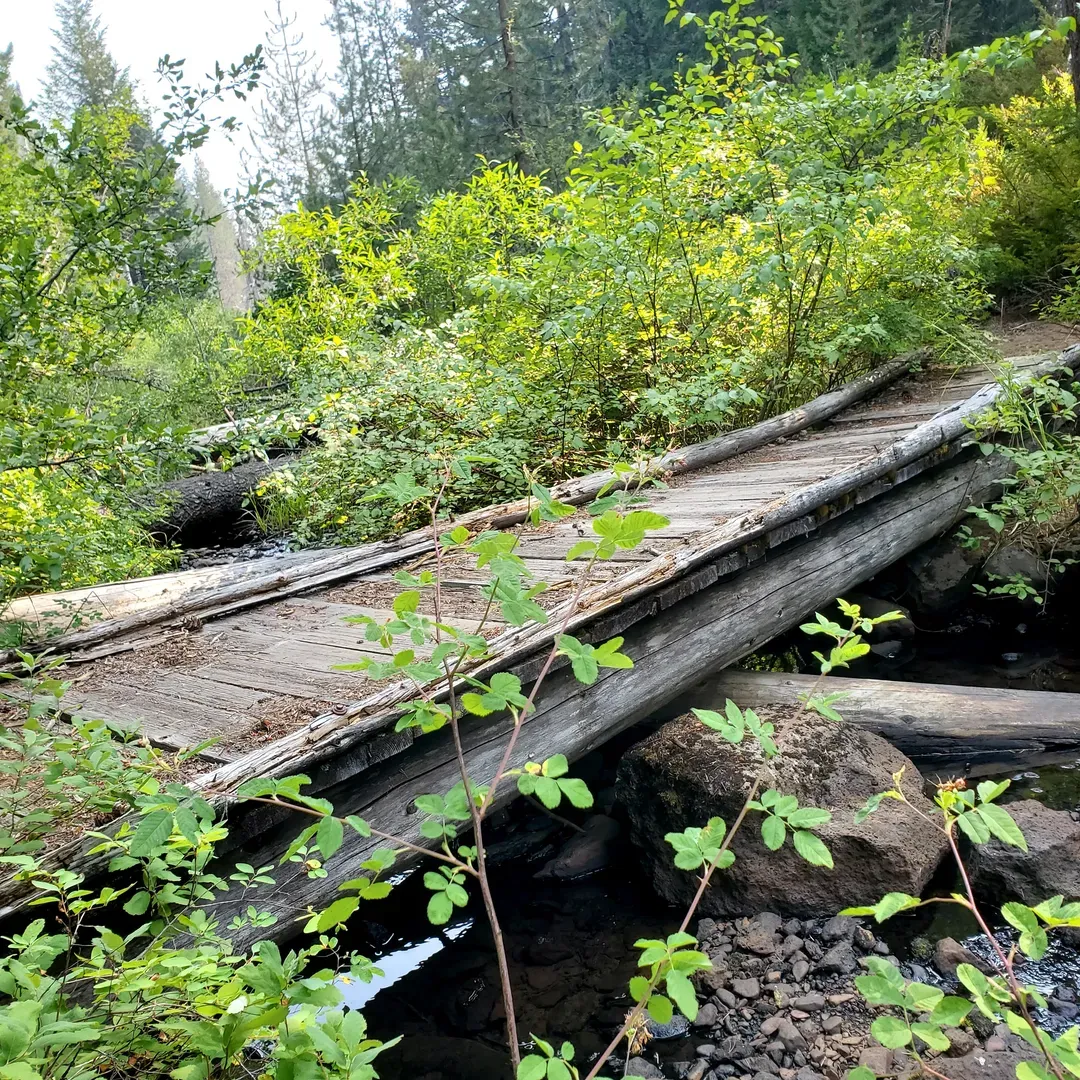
(548,791)
(152,834)
(974,827)
(660,1009)
(1020,916)
(862,1072)
(439,909)
(138,903)
(577,791)
(890,1032)
(1032,1070)
(1000,822)
(773,832)
(532,1067)
(932,1035)
(809,817)
(639,987)
(681,991)
(812,848)
(329,836)
(950,1011)
(558,1070)
(359,825)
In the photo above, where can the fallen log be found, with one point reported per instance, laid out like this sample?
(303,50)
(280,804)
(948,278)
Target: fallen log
(208,504)
(944,729)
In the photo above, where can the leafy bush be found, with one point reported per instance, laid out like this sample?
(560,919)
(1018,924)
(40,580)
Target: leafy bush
(1029,217)
(731,252)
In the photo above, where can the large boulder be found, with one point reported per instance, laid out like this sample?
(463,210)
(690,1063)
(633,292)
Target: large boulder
(939,575)
(1049,867)
(685,774)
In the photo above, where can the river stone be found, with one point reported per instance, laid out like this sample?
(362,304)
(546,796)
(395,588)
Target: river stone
(987,1065)
(585,852)
(685,774)
(1050,866)
(939,575)
(638,1066)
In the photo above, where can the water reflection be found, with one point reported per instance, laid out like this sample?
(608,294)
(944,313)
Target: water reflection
(398,962)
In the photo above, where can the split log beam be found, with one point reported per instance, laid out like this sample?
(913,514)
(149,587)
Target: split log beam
(944,729)
(713,627)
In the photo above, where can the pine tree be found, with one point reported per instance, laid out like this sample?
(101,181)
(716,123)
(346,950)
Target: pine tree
(219,237)
(293,126)
(83,71)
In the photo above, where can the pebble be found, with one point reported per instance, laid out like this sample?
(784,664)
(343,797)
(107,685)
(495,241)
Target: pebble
(747,988)
(832,1024)
(995,1044)
(728,998)
(707,1016)
(799,970)
(810,1003)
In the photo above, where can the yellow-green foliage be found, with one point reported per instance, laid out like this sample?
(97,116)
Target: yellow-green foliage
(705,264)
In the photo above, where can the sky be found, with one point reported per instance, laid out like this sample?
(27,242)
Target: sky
(200,31)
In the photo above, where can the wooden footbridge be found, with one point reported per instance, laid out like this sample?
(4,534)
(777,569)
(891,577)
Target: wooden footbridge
(766,524)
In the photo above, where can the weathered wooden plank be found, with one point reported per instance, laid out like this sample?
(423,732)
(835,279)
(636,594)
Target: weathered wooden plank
(939,726)
(163,718)
(715,626)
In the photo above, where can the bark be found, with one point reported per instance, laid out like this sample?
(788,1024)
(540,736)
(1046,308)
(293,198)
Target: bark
(944,729)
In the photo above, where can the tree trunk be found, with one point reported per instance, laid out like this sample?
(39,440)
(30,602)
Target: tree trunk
(1073,45)
(514,125)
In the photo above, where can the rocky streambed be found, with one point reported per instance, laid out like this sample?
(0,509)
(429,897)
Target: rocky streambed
(780,1002)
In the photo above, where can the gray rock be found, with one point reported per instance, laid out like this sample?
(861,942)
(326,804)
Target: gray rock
(949,954)
(841,959)
(986,1065)
(810,1003)
(961,1041)
(799,970)
(939,575)
(747,988)
(684,774)
(790,1036)
(878,1059)
(585,853)
(1050,866)
(675,1028)
(707,1016)
(839,928)
(761,936)
(638,1066)
(1009,561)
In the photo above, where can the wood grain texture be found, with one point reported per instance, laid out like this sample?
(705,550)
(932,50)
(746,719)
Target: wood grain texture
(941,727)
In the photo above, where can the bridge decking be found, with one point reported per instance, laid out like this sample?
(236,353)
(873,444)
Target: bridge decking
(248,678)
(754,542)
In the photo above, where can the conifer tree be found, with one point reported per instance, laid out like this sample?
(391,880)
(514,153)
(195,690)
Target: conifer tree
(220,240)
(292,122)
(83,71)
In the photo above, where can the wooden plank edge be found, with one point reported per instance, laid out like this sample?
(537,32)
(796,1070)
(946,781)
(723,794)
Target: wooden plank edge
(351,562)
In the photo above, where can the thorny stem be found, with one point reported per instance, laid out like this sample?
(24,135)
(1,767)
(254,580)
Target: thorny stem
(1006,961)
(476,814)
(703,884)
(389,837)
(519,717)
